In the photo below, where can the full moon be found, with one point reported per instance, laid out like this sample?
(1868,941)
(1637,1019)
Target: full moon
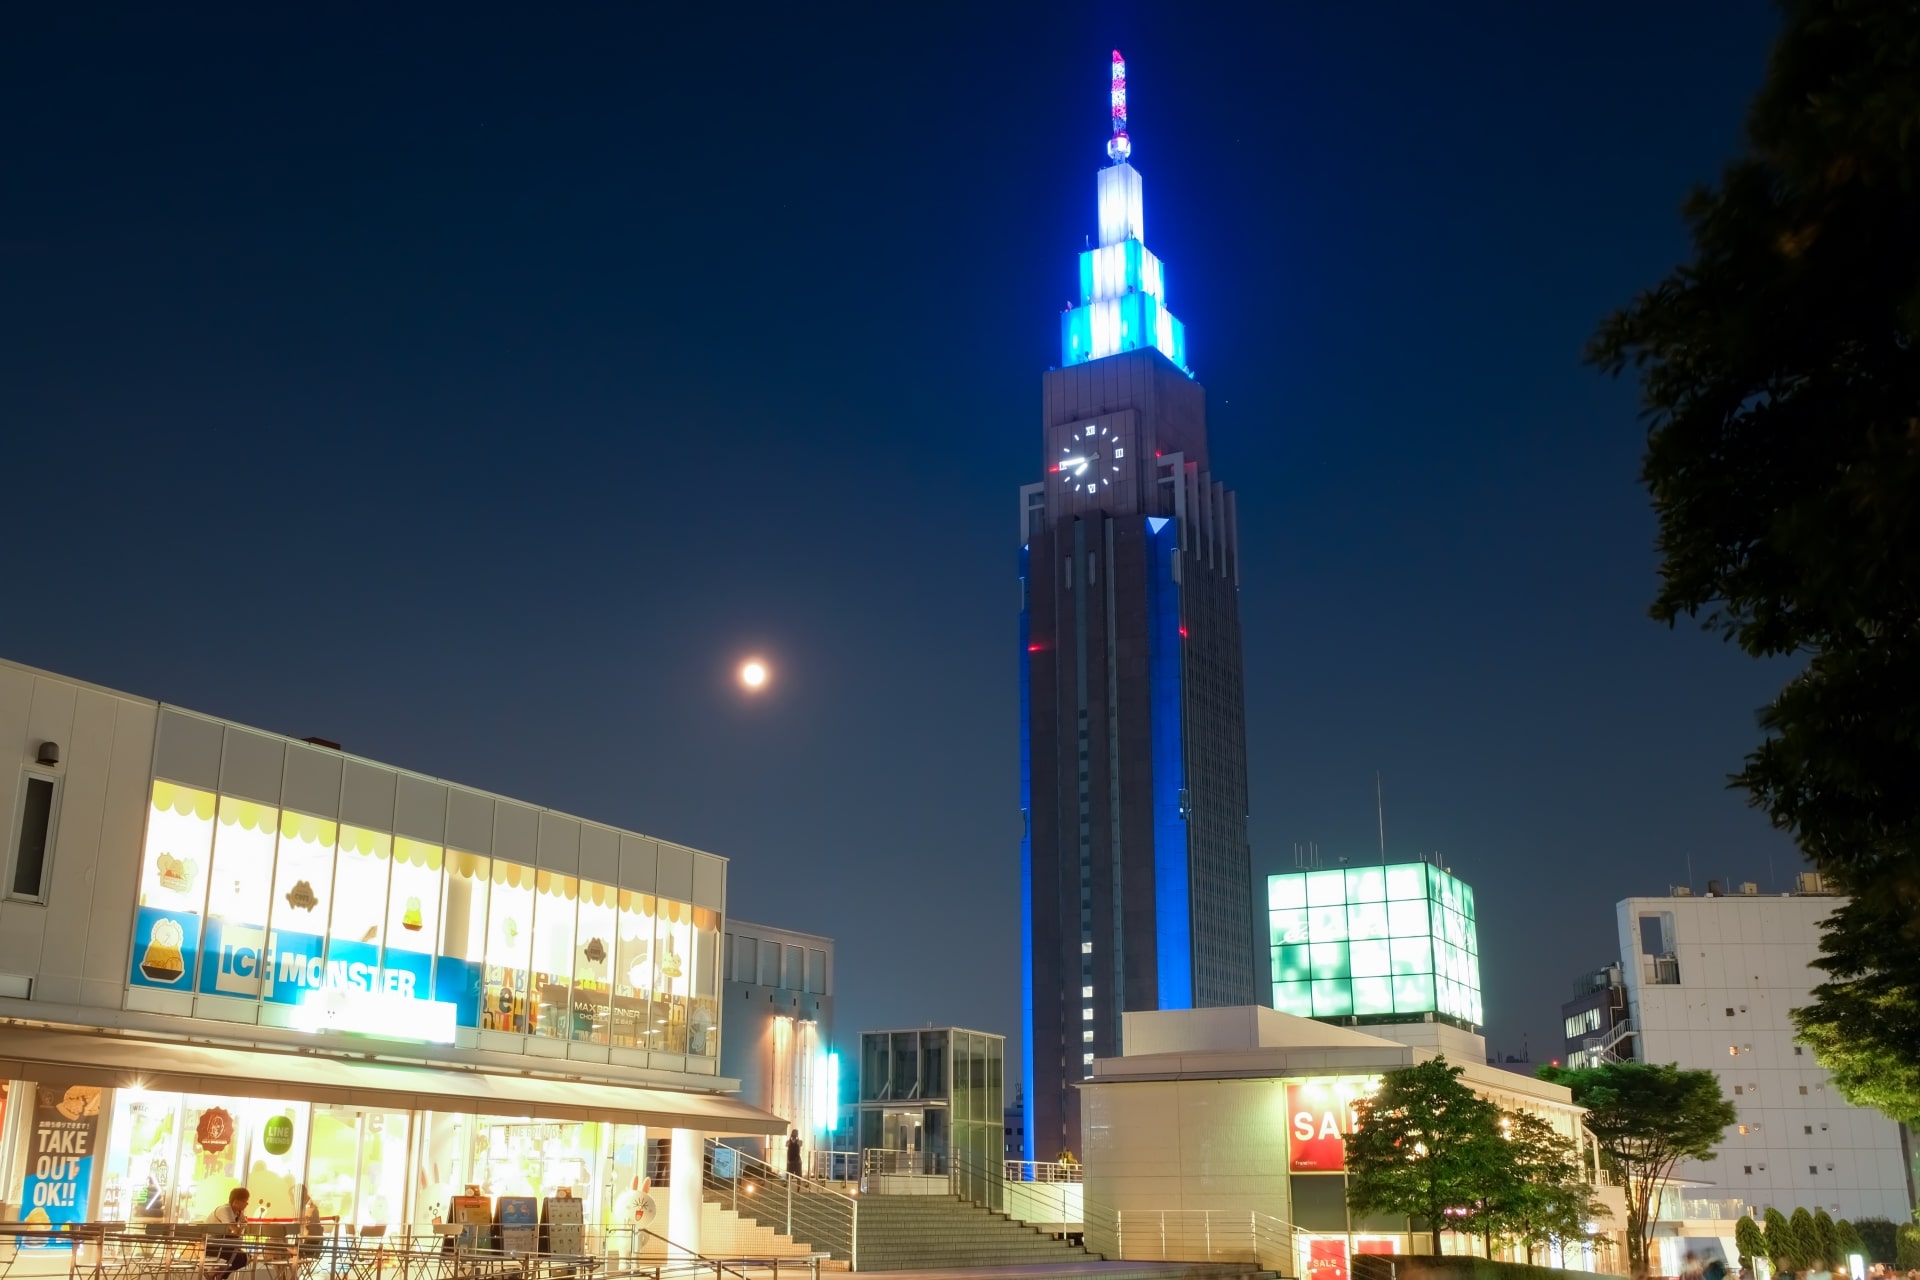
(753,673)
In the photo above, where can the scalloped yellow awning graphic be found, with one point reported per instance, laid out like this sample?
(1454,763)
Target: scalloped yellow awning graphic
(188,802)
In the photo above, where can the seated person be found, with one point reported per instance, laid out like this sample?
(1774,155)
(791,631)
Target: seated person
(224,1254)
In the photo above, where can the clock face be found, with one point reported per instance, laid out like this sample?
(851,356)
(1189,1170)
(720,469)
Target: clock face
(1091,460)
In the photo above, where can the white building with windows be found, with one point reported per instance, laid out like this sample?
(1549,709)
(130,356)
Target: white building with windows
(1710,983)
(229,957)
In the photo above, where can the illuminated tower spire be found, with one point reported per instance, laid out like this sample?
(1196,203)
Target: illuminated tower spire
(1123,301)
(1119,146)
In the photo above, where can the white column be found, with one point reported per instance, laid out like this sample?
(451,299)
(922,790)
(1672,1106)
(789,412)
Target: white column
(683,1210)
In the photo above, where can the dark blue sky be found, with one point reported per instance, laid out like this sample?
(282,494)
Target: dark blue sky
(474,385)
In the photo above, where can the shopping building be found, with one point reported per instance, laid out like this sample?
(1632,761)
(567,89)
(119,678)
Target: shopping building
(778,999)
(229,957)
(1710,982)
(1220,1134)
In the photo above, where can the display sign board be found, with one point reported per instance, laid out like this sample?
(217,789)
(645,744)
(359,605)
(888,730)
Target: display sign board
(565,1220)
(475,1216)
(519,1218)
(1320,1115)
(726,1162)
(60,1154)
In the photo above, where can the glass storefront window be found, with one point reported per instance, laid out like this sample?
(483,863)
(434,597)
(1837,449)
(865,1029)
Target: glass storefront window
(238,890)
(413,920)
(359,908)
(593,955)
(633,971)
(509,947)
(173,886)
(458,974)
(302,895)
(703,1019)
(273,1141)
(553,923)
(673,972)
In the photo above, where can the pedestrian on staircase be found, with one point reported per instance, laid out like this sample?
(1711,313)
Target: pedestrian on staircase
(793,1154)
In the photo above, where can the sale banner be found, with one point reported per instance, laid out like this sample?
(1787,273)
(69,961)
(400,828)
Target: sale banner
(1326,1260)
(60,1152)
(1320,1114)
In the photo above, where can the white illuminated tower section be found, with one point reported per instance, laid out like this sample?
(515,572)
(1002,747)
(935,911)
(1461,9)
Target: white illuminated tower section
(1137,884)
(1123,298)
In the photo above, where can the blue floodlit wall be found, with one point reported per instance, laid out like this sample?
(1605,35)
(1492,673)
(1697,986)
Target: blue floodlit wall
(1026,864)
(1171,889)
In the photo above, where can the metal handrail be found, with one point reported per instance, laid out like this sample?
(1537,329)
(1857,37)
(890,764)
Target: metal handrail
(1044,1171)
(802,1209)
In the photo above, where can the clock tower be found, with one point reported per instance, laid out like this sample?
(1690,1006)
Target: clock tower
(1135,870)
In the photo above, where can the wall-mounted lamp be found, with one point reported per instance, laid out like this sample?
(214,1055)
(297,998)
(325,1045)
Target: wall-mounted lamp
(49,754)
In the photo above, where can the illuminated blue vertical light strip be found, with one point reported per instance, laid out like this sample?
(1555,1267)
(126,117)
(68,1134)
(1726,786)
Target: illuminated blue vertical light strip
(1173,924)
(1026,867)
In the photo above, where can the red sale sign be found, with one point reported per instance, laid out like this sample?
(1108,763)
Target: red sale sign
(1319,1116)
(1326,1260)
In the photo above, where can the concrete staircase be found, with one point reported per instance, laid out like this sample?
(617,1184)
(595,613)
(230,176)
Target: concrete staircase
(918,1233)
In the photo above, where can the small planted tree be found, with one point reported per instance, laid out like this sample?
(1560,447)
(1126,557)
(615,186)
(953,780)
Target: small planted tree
(1847,1242)
(1751,1241)
(1806,1242)
(1425,1145)
(1826,1239)
(1782,1250)
(1880,1237)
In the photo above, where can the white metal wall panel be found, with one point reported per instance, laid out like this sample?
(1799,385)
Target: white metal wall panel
(516,831)
(709,881)
(16,700)
(420,809)
(122,828)
(252,765)
(676,872)
(639,863)
(50,719)
(366,795)
(187,749)
(470,821)
(599,854)
(88,759)
(313,781)
(560,843)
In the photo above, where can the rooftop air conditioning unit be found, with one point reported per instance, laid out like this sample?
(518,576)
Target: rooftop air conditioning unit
(1748,888)
(1809,882)
(1682,890)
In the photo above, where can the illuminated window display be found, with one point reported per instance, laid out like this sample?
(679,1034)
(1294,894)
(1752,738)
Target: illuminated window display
(300,907)
(459,974)
(1374,941)
(249,902)
(413,920)
(509,947)
(173,886)
(593,955)
(238,890)
(553,920)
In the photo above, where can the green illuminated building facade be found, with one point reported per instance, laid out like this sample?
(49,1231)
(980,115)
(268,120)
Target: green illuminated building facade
(1376,944)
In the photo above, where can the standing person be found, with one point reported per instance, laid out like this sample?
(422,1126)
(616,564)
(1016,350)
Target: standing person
(793,1154)
(225,1248)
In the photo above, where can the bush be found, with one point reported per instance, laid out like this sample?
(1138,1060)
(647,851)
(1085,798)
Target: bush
(1907,1247)
(1424,1266)
(1879,1235)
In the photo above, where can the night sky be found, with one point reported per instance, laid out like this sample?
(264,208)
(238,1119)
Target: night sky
(475,387)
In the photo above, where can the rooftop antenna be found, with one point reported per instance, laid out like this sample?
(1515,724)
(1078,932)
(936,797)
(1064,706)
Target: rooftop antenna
(1380,807)
(1119,146)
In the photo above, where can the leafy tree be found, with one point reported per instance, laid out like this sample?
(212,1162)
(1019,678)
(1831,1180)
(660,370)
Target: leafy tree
(1424,1145)
(1906,1250)
(1783,1251)
(1880,1238)
(1543,1195)
(1806,1241)
(1645,1119)
(1780,377)
(1846,1242)
(1826,1239)
(1751,1241)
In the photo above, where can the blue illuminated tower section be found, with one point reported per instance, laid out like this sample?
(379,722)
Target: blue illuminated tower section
(1135,871)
